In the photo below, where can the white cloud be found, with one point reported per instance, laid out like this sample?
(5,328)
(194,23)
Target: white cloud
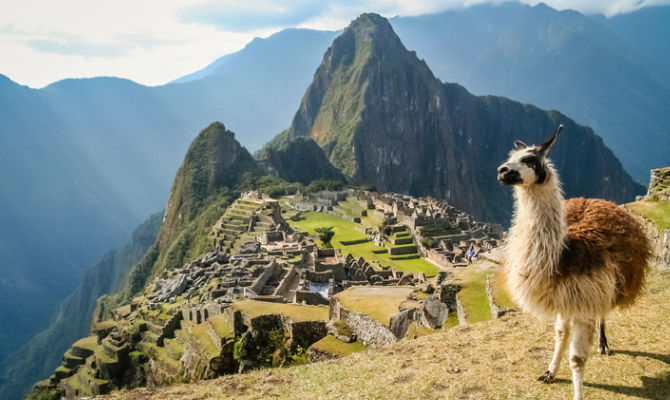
(154,41)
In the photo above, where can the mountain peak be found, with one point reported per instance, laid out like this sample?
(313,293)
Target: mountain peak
(369,23)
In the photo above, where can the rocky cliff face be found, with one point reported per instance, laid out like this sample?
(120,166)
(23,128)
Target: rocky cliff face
(384,119)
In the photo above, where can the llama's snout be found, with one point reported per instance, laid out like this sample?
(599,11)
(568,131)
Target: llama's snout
(508,176)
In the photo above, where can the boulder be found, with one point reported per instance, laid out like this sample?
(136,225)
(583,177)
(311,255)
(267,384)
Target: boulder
(400,322)
(433,313)
(446,293)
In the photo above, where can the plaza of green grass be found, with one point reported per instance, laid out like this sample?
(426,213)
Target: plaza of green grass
(345,230)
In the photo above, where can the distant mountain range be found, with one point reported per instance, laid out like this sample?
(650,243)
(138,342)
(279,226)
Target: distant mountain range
(89,159)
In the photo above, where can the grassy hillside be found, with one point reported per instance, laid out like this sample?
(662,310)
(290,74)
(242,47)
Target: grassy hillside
(499,359)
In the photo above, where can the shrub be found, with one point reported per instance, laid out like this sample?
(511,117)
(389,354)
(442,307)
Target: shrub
(326,234)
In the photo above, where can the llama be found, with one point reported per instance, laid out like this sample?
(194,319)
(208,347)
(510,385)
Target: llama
(573,261)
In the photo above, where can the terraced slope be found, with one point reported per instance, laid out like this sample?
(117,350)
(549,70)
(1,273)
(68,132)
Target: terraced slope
(499,359)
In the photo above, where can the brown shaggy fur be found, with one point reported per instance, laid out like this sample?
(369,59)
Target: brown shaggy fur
(599,229)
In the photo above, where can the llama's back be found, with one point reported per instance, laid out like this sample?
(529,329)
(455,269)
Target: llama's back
(602,234)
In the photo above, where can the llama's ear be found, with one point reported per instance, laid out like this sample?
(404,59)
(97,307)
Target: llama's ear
(518,145)
(546,146)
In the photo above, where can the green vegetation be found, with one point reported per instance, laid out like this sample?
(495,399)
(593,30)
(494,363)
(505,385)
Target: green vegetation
(311,166)
(200,333)
(295,311)
(238,349)
(88,343)
(299,357)
(330,344)
(324,184)
(173,348)
(473,295)
(657,211)
(345,230)
(326,234)
(271,352)
(220,326)
(376,302)
(50,394)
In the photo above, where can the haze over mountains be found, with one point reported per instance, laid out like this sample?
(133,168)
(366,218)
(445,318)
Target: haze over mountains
(92,158)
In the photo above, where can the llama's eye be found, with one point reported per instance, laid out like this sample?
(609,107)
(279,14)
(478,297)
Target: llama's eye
(528,160)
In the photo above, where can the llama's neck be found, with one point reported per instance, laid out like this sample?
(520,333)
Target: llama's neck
(538,232)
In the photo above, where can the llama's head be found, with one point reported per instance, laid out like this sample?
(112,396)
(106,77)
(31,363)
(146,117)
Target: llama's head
(527,165)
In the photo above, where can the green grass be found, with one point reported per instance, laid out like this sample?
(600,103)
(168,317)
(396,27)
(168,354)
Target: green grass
(332,345)
(351,207)
(376,302)
(295,311)
(344,230)
(173,348)
(103,357)
(160,353)
(200,333)
(220,326)
(451,321)
(89,343)
(657,211)
(63,368)
(473,295)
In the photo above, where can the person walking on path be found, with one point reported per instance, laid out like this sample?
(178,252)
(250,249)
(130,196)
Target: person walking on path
(470,254)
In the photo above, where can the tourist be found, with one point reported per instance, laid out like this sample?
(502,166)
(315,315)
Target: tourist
(470,254)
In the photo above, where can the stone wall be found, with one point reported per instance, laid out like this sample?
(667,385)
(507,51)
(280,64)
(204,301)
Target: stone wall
(496,312)
(660,243)
(310,298)
(369,331)
(271,271)
(462,319)
(285,283)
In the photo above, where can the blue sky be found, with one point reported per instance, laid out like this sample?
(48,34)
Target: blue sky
(155,41)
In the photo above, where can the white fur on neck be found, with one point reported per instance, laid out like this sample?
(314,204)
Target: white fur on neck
(536,240)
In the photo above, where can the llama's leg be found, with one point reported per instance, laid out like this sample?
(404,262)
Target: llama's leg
(562,329)
(582,336)
(603,348)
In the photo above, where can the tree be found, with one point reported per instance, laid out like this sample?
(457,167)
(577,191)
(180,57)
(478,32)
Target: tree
(326,234)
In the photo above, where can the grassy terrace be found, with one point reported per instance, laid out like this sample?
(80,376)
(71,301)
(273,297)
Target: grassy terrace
(200,332)
(377,302)
(473,295)
(89,343)
(220,326)
(332,345)
(345,230)
(657,211)
(295,311)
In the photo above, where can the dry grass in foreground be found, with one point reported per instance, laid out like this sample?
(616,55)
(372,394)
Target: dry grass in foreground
(490,360)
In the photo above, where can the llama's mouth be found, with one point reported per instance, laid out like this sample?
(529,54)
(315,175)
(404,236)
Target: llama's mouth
(510,177)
